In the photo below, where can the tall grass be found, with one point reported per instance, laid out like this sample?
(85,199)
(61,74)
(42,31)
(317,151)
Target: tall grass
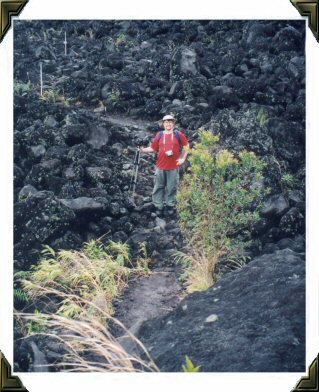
(87,343)
(198,269)
(75,291)
(97,274)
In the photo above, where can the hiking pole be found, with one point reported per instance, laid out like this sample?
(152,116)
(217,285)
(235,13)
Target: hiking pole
(41,79)
(65,44)
(135,171)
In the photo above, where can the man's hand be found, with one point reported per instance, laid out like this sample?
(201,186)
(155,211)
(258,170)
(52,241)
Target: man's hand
(144,150)
(180,161)
(184,154)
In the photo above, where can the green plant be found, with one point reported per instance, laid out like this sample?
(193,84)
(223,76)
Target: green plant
(262,117)
(218,201)
(25,198)
(236,262)
(53,96)
(189,367)
(97,274)
(87,344)
(120,41)
(22,88)
(38,324)
(198,269)
(288,181)
(20,296)
(143,261)
(50,95)
(114,96)
(119,251)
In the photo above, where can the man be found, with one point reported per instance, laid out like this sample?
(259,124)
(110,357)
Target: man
(168,144)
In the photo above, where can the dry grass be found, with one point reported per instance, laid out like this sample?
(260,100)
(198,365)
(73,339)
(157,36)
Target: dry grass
(97,274)
(199,269)
(88,345)
(75,291)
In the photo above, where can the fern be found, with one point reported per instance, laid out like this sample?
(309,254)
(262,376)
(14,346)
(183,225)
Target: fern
(96,274)
(69,309)
(20,296)
(37,326)
(189,367)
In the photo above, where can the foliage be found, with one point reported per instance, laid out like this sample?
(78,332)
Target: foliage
(218,201)
(20,296)
(198,267)
(22,88)
(86,344)
(121,41)
(76,290)
(189,367)
(143,262)
(53,96)
(38,324)
(236,262)
(114,97)
(262,117)
(96,274)
(50,95)
(287,181)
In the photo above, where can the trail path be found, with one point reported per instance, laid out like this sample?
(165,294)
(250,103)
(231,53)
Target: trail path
(128,122)
(156,294)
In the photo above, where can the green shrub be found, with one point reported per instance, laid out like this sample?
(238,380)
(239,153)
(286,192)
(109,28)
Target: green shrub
(288,181)
(22,88)
(189,367)
(75,290)
(121,41)
(37,325)
(97,274)
(262,117)
(114,97)
(218,201)
(20,296)
(53,96)
(50,95)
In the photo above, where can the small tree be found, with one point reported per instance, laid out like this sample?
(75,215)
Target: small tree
(218,201)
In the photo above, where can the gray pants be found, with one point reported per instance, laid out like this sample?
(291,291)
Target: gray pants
(165,188)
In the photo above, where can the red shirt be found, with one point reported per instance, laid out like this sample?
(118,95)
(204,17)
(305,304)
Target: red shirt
(168,142)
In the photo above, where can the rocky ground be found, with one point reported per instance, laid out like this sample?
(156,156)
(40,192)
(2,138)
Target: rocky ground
(250,321)
(74,148)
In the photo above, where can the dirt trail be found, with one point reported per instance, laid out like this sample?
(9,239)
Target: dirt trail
(128,122)
(161,291)
(149,297)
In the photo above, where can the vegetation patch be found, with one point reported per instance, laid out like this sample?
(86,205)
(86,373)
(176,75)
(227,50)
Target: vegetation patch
(75,291)
(218,201)
(22,88)
(97,274)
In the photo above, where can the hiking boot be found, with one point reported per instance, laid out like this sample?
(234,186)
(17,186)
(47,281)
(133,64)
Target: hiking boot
(159,212)
(170,211)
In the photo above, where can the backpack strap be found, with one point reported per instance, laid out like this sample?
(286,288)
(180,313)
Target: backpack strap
(177,136)
(175,133)
(160,136)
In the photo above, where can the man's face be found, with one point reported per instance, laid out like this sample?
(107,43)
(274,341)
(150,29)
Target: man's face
(168,125)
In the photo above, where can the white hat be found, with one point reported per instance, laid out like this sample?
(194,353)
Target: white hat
(168,117)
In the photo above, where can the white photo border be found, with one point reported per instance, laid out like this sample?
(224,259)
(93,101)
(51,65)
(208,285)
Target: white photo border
(142,9)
